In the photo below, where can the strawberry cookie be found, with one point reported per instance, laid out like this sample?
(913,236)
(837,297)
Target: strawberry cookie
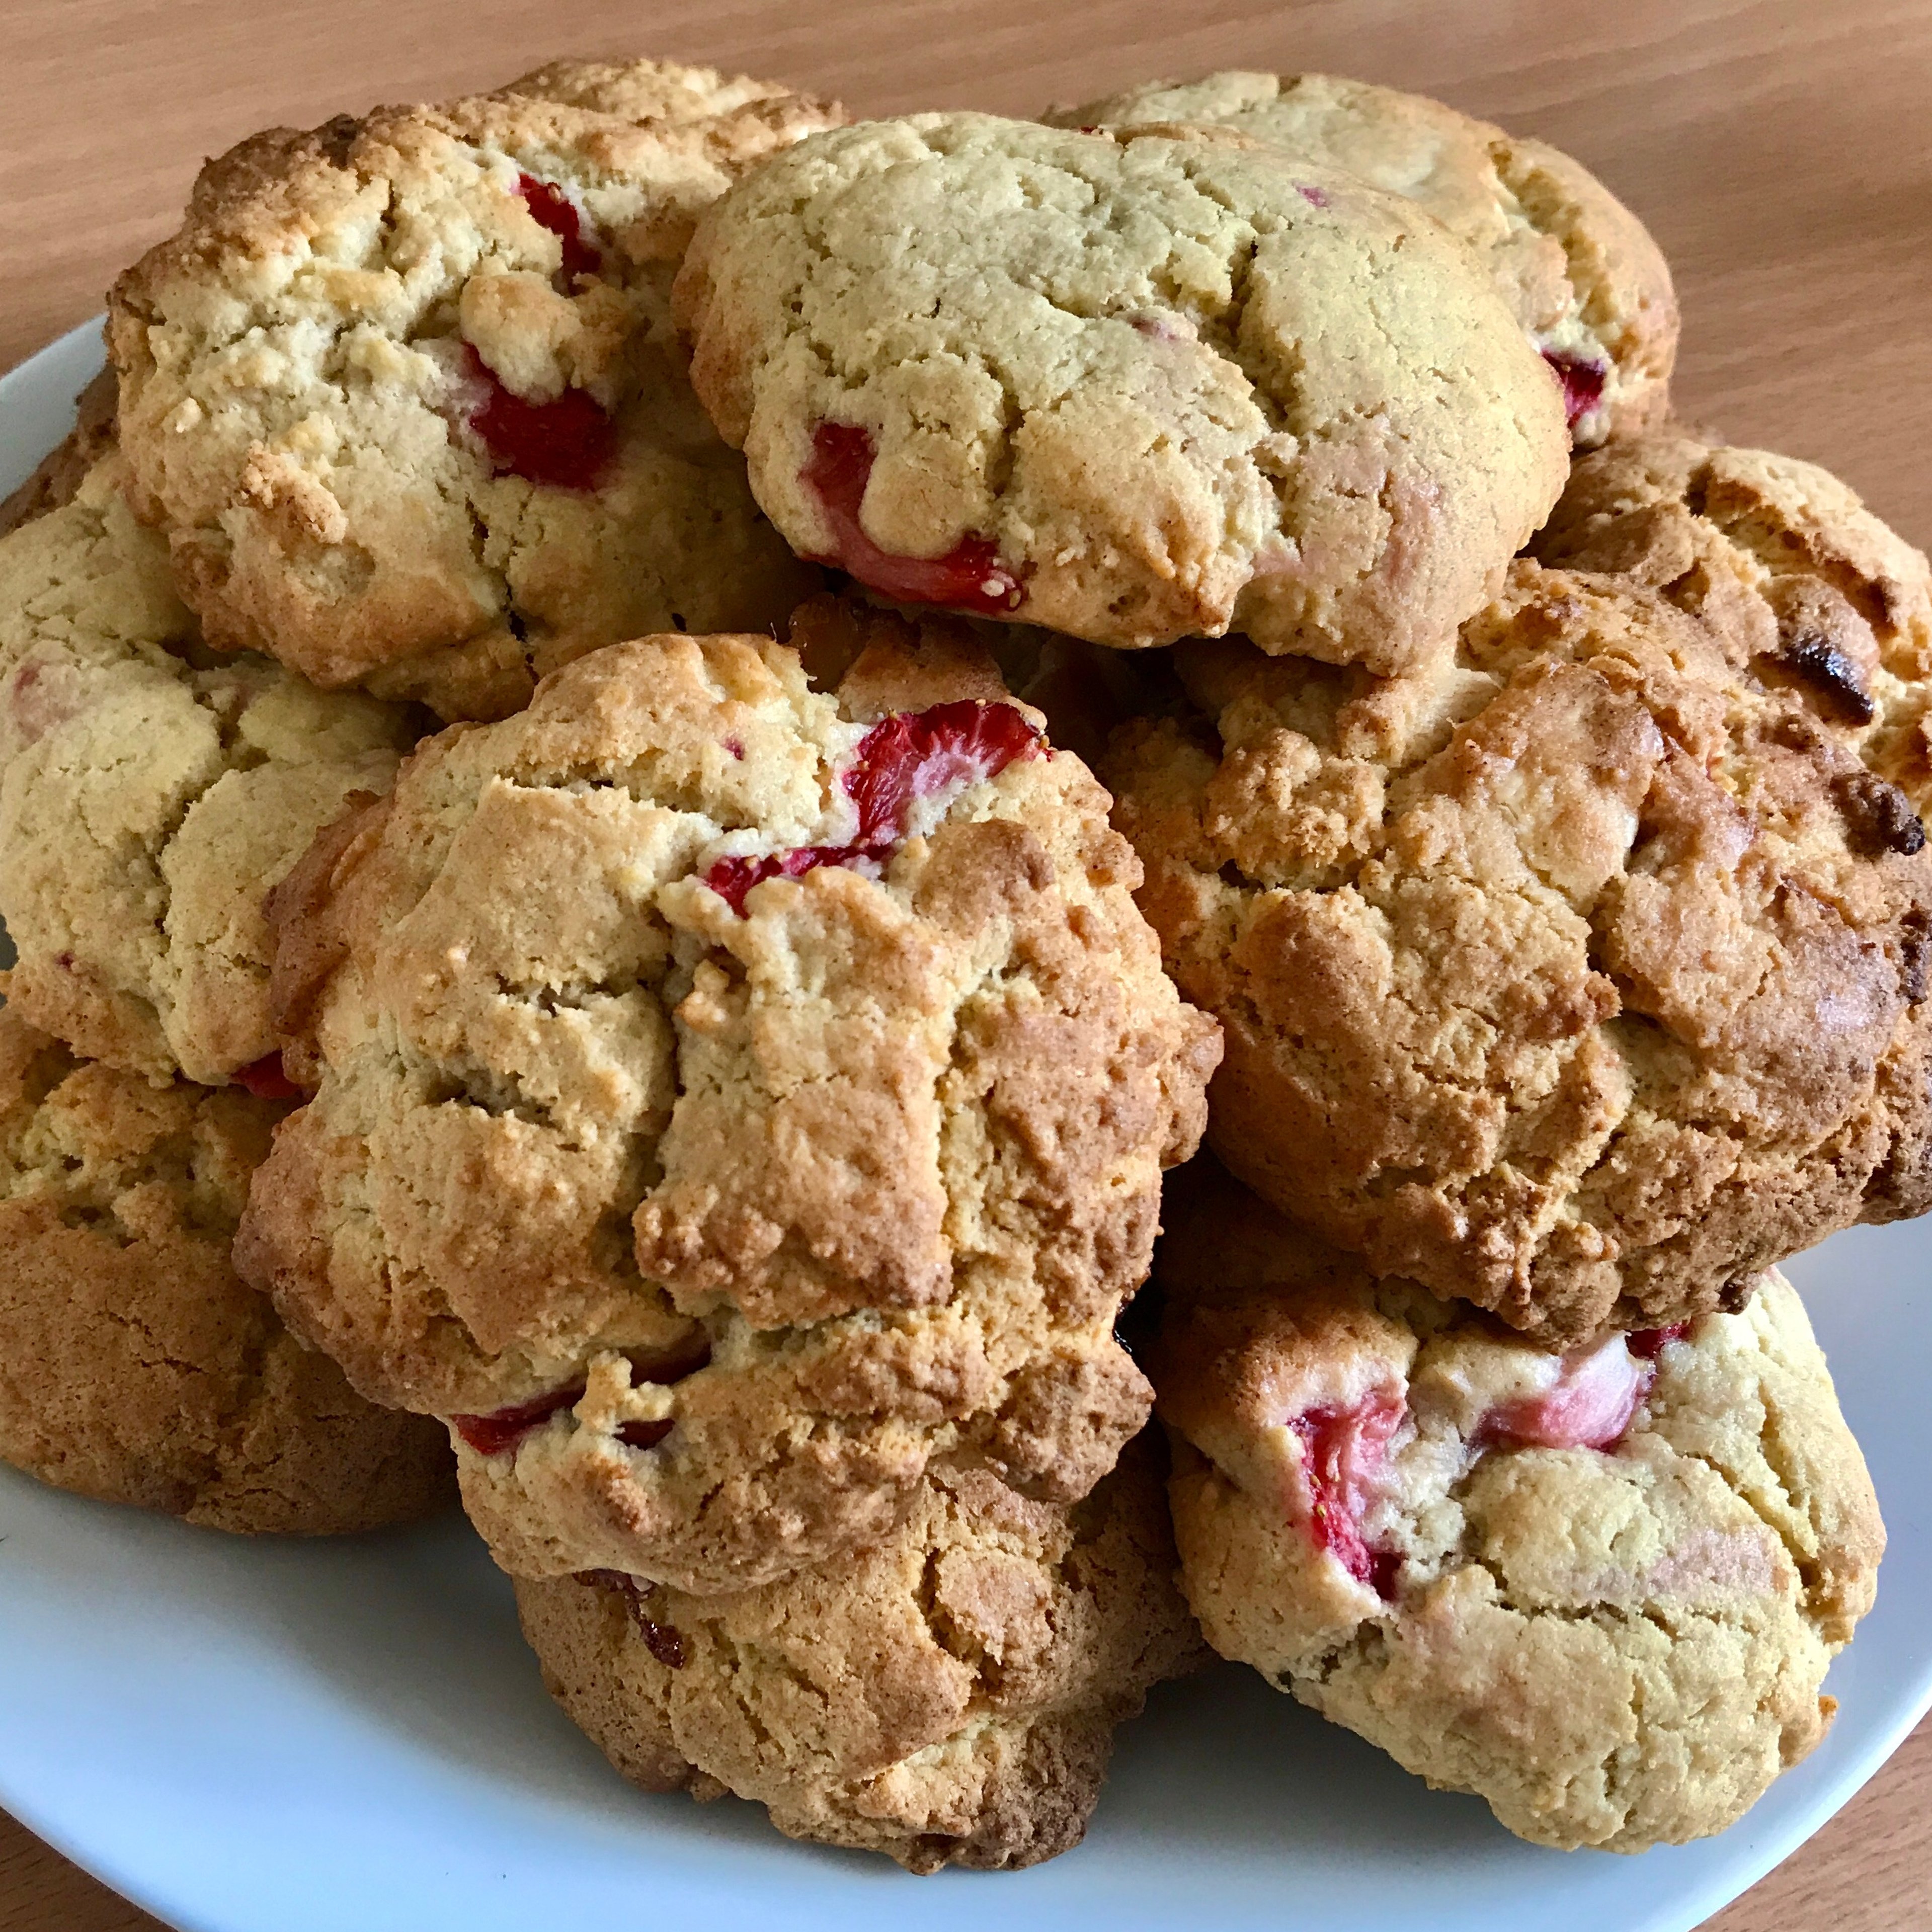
(1579,271)
(402,395)
(734,1097)
(134,1367)
(1599,1589)
(947,1696)
(1582,977)
(150,795)
(1132,387)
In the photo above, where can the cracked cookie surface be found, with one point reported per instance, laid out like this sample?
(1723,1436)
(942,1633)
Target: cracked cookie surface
(733,1098)
(1583,978)
(134,1367)
(150,795)
(1809,591)
(1579,271)
(402,391)
(1129,388)
(948,1697)
(1600,1590)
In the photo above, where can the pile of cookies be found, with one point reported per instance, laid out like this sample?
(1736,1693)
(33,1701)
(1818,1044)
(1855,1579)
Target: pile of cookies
(553,717)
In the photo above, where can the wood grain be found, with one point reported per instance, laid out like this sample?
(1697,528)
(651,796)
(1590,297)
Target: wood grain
(1779,151)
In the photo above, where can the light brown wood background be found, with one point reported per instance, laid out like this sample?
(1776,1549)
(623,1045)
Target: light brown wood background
(1781,150)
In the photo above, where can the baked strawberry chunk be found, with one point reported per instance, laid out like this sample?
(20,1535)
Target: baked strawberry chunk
(1587,1402)
(550,207)
(731,879)
(567,443)
(1582,381)
(265,1079)
(970,576)
(1343,1452)
(503,1428)
(909,756)
(1647,1344)
(664,1641)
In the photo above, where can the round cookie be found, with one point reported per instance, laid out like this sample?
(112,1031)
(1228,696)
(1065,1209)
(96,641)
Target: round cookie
(1583,978)
(1579,271)
(946,1697)
(403,395)
(149,797)
(1599,1589)
(733,1098)
(134,1367)
(1807,587)
(1131,388)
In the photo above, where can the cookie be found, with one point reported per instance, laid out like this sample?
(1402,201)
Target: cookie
(149,797)
(733,1098)
(403,395)
(1579,271)
(661,91)
(946,1697)
(60,473)
(1583,980)
(134,1367)
(1812,592)
(1599,1589)
(1131,388)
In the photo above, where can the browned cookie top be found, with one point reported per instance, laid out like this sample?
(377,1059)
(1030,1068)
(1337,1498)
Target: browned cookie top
(946,1697)
(1582,979)
(1806,587)
(134,1367)
(732,1097)
(401,393)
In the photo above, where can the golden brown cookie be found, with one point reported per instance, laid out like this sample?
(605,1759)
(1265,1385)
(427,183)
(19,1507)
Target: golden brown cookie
(1809,590)
(1583,979)
(402,395)
(1599,1588)
(946,1697)
(734,1097)
(134,1367)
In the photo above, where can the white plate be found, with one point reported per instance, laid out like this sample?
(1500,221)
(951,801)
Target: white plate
(350,1737)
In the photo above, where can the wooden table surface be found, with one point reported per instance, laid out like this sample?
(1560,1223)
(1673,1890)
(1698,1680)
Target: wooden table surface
(1781,153)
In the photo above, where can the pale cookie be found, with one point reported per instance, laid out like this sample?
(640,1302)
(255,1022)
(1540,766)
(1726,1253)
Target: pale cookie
(947,1697)
(653,90)
(1809,589)
(149,797)
(1584,979)
(134,1367)
(1133,389)
(1579,272)
(1600,1590)
(61,473)
(733,1099)
(402,394)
